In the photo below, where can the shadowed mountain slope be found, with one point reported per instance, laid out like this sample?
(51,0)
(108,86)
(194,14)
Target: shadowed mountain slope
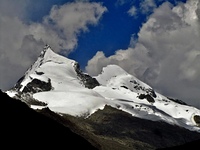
(22,127)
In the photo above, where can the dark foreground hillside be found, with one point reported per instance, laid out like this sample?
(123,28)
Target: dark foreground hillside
(107,129)
(112,129)
(187,146)
(22,127)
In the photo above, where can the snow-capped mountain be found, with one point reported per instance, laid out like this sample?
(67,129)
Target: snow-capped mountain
(57,82)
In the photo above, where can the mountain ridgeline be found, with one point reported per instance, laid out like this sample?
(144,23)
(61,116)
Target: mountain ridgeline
(113,110)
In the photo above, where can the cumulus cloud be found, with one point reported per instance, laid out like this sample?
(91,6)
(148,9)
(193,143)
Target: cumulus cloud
(21,42)
(167,53)
(63,25)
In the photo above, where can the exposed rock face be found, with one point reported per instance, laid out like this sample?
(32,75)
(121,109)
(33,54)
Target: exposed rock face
(178,101)
(149,91)
(36,86)
(197,119)
(86,79)
(18,84)
(148,97)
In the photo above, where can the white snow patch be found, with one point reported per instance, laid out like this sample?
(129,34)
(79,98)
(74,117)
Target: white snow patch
(76,103)
(38,107)
(11,93)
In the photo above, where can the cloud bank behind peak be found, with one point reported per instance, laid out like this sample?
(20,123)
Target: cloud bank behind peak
(21,40)
(166,54)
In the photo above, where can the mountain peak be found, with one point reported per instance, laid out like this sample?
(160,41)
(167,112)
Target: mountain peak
(45,50)
(48,63)
(53,71)
(112,73)
(47,47)
(59,83)
(49,55)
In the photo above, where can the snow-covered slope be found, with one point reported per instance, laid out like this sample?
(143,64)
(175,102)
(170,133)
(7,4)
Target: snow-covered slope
(135,97)
(51,66)
(60,84)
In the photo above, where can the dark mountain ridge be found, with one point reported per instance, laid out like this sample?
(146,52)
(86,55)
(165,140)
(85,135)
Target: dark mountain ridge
(22,127)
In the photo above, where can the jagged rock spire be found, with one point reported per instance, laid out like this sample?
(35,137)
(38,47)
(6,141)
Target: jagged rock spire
(46,47)
(44,51)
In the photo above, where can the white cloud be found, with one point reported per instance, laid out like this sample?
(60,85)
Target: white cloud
(167,54)
(133,41)
(21,43)
(64,24)
(147,6)
(71,19)
(132,11)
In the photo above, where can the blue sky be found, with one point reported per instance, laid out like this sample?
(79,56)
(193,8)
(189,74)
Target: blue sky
(113,32)
(154,40)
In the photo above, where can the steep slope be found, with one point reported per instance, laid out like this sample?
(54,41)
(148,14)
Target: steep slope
(22,127)
(61,80)
(54,72)
(112,129)
(139,99)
